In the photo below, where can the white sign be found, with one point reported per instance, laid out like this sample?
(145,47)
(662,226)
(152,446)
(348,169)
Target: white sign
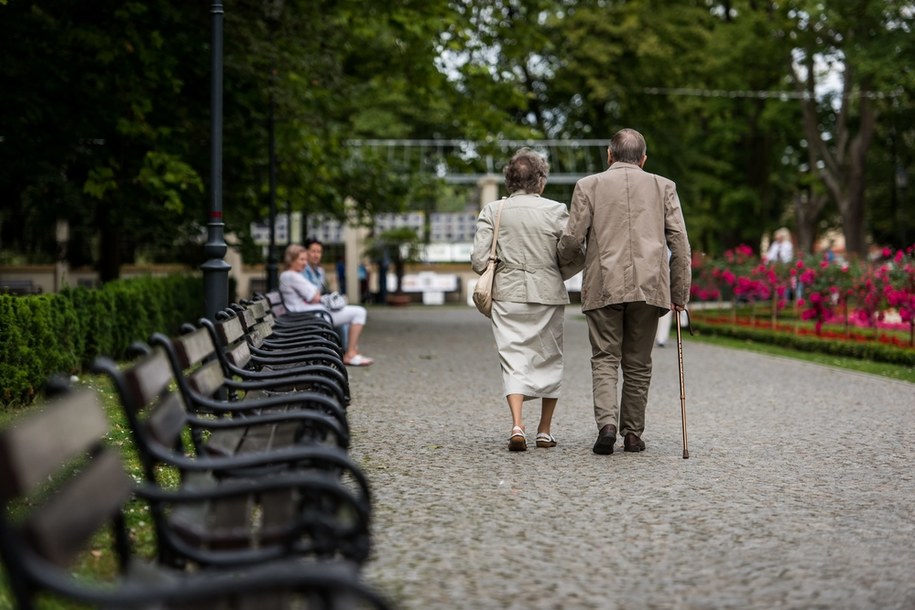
(433,298)
(429,281)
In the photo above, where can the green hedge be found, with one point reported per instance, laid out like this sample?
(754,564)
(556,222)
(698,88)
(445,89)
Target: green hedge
(47,334)
(864,350)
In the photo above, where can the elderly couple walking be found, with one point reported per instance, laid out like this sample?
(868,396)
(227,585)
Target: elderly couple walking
(618,231)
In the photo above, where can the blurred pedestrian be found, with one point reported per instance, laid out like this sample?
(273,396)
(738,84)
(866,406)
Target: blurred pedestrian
(781,250)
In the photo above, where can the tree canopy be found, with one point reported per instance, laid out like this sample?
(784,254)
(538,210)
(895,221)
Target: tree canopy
(766,113)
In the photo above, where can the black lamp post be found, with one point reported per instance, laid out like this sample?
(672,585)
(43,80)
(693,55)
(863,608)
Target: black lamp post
(215,269)
(288,223)
(272,282)
(273,12)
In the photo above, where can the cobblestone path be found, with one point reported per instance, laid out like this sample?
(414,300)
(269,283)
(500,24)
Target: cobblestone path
(799,491)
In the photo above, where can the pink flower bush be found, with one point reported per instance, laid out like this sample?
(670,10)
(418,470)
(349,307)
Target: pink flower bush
(859,293)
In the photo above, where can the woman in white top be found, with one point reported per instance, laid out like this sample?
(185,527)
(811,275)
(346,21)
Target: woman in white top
(301,295)
(781,250)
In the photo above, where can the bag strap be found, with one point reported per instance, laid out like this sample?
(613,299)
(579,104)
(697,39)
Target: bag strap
(495,232)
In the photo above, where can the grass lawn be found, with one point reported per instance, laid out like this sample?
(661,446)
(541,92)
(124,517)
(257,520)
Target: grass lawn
(99,562)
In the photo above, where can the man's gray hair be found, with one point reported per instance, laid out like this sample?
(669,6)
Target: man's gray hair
(628,146)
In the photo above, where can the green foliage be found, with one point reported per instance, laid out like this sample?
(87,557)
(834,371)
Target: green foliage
(113,135)
(62,333)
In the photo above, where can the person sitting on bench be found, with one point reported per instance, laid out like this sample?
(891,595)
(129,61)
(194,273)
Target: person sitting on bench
(299,294)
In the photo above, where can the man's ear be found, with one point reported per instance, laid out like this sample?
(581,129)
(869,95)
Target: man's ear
(642,162)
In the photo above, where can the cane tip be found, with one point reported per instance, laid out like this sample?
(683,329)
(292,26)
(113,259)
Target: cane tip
(686,455)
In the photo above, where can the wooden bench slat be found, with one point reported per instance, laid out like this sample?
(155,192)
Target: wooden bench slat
(168,420)
(150,376)
(61,527)
(194,347)
(36,447)
(208,379)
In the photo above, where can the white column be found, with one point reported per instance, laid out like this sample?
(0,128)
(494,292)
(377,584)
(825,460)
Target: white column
(489,188)
(353,243)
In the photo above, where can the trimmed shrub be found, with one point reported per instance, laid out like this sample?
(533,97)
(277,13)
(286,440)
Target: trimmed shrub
(49,334)
(865,350)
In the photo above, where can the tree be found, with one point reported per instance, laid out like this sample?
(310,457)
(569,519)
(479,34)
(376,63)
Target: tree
(851,41)
(660,68)
(114,134)
(90,98)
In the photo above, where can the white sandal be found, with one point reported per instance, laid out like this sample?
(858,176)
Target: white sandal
(518,440)
(545,440)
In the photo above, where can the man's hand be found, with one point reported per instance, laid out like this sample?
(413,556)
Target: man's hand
(676,307)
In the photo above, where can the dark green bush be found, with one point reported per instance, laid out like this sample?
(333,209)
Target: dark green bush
(62,333)
(865,350)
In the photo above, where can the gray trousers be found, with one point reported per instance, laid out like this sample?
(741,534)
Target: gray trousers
(622,336)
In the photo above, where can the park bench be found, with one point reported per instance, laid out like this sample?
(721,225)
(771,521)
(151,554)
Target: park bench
(211,372)
(263,342)
(283,316)
(62,487)
(326,514)
(256,320)
(20,287)
(285,324)
(223,352)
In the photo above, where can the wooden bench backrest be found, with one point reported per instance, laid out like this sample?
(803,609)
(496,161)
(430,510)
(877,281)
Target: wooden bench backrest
(40,452)
(275,300)
(153,395)
(247,318)
(197,357)
(234,343)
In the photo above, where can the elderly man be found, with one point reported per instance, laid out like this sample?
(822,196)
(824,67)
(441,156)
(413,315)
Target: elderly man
(625,219)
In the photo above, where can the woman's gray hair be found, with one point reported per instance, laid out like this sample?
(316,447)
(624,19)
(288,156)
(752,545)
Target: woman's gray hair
(628,146)
(526,171)
(292,253)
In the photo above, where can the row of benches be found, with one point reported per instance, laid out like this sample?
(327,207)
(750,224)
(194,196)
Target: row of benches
(248,414)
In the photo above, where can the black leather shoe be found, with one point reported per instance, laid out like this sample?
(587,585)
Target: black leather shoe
(606,438)
(633,443)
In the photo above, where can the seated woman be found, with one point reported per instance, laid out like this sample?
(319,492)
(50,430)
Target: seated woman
(301,295)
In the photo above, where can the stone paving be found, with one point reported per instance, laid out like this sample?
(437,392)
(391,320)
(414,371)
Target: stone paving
(799,491)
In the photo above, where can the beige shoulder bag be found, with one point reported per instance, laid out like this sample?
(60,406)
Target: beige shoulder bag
(482,293)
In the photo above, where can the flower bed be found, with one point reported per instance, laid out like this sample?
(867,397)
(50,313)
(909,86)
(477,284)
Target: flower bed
(879,348)
(880,294)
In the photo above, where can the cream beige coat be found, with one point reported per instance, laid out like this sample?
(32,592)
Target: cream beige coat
(625,219)
(529,230)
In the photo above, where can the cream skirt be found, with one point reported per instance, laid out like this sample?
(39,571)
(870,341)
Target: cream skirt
(529,339)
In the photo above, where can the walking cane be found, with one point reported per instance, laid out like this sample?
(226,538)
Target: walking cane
(689,325)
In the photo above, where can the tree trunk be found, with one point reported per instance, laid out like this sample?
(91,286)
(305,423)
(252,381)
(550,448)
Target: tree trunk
(841,155)
(109,262)
(852,205)
(399,270)
(807,208)
(853,226)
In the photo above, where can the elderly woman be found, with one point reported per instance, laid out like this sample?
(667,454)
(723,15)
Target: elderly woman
(301,295)
(529,296)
